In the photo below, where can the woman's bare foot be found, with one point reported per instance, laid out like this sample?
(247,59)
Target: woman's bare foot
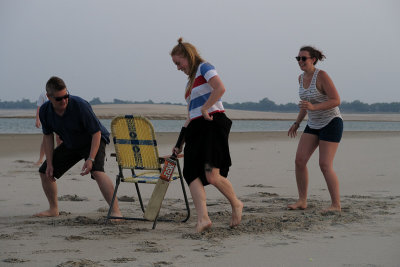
(202,226)
(299,205)
(38,163)
(332,208)
(236,214)
(47,213)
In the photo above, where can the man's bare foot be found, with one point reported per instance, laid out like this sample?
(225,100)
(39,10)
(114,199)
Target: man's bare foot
(47,213)
(116,214)
(202,226)
(299,205)
(236,215)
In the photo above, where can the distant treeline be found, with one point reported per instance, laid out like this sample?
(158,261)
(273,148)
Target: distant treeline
(262,105)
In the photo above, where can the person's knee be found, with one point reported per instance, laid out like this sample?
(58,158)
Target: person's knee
(300,162)
(325,166)
(97,175)
(212,174)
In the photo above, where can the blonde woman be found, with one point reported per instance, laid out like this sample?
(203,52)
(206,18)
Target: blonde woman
(206,131)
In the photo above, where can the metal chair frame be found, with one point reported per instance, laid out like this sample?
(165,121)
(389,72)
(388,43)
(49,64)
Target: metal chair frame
(137,162)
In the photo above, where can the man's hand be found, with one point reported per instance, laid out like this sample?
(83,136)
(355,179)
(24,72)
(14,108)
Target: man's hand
(49,172)
(87,167)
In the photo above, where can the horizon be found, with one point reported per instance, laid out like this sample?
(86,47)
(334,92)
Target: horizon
(170,103)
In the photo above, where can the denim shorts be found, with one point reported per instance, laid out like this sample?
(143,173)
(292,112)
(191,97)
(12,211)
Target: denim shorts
(331,132)
(64,158)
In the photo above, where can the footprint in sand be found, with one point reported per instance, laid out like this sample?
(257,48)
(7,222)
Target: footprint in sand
(72,198)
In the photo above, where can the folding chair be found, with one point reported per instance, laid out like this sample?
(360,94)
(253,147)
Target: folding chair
(136,149)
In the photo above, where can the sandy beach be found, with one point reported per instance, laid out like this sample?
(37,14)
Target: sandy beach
(365,233)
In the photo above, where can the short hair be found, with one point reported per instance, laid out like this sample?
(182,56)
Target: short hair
(55,84)
(314,53)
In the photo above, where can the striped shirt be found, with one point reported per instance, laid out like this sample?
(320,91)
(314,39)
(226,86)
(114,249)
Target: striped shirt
(317,119)
(201,91)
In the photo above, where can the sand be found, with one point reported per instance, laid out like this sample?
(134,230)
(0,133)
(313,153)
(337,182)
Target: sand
(366,233)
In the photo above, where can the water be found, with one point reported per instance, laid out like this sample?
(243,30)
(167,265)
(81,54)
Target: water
(27,126)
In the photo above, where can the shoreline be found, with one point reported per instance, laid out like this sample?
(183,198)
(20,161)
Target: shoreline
(176,112)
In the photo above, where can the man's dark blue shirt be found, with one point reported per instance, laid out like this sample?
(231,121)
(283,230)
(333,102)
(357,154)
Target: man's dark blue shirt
(76,126)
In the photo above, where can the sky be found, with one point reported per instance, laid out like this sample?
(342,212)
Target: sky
(120,49)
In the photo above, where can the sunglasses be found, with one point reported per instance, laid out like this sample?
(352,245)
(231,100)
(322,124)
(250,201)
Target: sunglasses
(59,98)
(302,58)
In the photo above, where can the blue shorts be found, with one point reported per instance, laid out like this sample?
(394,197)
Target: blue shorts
(331,132)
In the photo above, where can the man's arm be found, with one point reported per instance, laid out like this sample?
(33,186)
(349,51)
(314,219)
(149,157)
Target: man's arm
(88,165)
(48,143)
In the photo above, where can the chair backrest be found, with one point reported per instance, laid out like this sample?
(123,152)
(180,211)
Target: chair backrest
(135,143)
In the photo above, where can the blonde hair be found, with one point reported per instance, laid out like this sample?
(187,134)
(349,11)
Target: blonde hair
(188,51)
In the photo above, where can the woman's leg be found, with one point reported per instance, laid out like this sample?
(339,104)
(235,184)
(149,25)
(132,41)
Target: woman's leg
(327,151)
(41,155)
(307,145)
(199,199)
(225,187)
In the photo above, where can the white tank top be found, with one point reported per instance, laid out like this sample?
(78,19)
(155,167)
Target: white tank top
(317,119)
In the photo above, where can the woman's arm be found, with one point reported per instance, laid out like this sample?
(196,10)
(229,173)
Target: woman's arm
(217,92)
(324,85)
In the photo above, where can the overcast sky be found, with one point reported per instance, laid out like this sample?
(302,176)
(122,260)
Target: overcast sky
(120,49)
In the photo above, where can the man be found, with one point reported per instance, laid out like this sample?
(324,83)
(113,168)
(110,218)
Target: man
(83,136)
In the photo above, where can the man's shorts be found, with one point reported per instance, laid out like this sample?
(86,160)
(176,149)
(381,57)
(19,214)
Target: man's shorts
(331,132)
(64,158)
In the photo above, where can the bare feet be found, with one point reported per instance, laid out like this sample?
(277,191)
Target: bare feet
(299,205)
(47,213)
(38,163)
(332,208)
(236,214)
(116,214)
(202,226)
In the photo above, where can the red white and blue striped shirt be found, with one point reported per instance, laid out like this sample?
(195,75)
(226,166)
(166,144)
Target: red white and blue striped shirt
(201,91)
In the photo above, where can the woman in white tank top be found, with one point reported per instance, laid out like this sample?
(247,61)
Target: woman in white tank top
(320,101)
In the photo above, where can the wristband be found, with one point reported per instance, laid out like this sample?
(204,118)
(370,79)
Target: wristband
(91,159)
(298,124)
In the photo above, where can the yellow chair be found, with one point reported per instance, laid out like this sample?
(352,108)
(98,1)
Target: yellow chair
(136,149)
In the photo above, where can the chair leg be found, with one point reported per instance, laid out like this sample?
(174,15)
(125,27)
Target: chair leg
(184,192)
(117,182)
(139,196)
(154,223)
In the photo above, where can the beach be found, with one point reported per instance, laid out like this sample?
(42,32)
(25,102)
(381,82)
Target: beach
(365,233)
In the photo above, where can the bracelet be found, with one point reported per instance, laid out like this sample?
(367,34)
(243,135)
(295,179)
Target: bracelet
(294,123)
(91,159)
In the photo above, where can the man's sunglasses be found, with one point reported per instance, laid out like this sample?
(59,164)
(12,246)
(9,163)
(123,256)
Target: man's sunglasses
(302,58)
(59,98)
